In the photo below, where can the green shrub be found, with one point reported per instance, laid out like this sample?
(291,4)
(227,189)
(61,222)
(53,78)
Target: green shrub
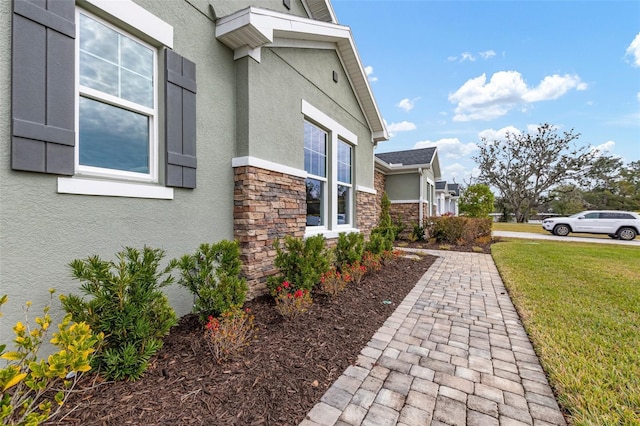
(459,230)
(25,378)
(349,249)
(127,305)
(378,243)
(418,233)
(212,275)
(300,262)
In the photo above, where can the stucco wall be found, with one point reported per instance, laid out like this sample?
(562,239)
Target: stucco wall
(403,186)
(41,231)
(273,126)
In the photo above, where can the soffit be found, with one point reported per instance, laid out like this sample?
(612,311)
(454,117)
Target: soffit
(247,31)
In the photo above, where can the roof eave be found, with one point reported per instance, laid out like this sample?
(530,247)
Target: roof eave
(248,30)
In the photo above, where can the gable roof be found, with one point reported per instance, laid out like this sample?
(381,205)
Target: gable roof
(452,188)
(411,157)
(320,10)
(248,30)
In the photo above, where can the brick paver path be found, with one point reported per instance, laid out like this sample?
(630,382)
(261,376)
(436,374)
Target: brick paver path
(454,352)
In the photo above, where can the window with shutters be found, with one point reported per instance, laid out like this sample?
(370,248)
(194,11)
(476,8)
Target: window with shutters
(117,105)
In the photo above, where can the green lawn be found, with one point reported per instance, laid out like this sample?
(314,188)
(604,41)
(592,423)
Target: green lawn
(536,228)
(581,307)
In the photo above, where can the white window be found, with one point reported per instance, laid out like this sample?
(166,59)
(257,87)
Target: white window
(315,164)
(328,161)
(117,108)
(344,183)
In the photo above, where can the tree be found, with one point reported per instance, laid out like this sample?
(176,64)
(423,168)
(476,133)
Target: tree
(524,166)
(566,200)
(476,201)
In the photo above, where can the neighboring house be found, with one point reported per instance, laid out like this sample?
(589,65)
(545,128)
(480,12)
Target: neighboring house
(447,195)
(409,179)
(173,123)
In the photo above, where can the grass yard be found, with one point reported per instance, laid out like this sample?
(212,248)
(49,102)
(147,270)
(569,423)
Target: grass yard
(581,307)
(535,228)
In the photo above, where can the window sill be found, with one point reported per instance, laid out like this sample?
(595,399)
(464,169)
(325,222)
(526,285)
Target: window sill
(311,232)
(109,188)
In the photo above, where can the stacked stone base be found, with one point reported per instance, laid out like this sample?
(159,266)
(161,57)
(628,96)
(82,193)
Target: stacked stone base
(270,205)
(267,205)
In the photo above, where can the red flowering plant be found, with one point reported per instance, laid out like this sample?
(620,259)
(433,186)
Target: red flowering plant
(333,282)
(371,262)
(230,334)
(388,256)
(356,271)
(291,302)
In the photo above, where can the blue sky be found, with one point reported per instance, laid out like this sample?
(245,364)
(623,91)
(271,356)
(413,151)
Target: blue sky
(451,72)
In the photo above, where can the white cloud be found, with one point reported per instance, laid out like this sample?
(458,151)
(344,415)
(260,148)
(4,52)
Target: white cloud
(407,104)
(487,54)
(466,56)
(554,86)
(604,148)
(638,96)
(369,71)
(500,134)
(449,148)
(478,99)
(403,126)
(459,173)
(633,51)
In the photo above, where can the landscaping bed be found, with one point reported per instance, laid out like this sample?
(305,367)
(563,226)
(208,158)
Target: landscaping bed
(276,381)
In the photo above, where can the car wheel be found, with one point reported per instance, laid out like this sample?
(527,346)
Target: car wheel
(561,230)
(626,234)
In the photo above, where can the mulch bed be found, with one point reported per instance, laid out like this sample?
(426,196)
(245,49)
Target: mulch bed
(275,381)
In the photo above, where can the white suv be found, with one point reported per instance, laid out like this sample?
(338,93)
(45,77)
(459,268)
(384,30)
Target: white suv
(616,224)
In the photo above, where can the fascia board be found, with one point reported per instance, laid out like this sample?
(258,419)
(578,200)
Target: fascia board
(253,27)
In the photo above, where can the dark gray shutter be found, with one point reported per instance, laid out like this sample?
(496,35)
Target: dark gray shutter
(180,120)
(43,86)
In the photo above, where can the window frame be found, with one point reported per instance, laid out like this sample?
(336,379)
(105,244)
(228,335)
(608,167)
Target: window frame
(336,132)
(322,179)
(349,213)
(153,113)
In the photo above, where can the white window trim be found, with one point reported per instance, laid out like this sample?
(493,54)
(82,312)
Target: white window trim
(130,13)
(151,113)
(336,131)
(84,186)
(159,33)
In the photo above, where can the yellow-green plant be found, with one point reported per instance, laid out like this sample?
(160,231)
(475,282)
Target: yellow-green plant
(28,382)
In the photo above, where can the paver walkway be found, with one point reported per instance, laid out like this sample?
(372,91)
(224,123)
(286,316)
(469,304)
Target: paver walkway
(454,352)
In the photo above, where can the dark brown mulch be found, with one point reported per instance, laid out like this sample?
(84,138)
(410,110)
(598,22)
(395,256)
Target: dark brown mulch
(432,245)
(276,381)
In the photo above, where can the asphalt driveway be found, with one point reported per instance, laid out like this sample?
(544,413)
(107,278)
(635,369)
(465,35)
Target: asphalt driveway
(580,239)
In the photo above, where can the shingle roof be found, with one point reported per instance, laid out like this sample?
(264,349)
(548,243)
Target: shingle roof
(441,185)
(409,157)
(455,188)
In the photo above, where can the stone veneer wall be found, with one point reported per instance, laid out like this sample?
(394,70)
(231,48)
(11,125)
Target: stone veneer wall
(367,212)
(406,213)
(266,205)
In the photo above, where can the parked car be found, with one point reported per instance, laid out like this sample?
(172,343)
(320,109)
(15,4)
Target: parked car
(616,224)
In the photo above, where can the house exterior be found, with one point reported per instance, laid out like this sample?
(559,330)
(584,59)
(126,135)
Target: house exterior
(447,195)
(409,178)
(173,123)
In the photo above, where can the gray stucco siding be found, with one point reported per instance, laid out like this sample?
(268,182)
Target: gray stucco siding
(278,85)
(41,231)
(403,187)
